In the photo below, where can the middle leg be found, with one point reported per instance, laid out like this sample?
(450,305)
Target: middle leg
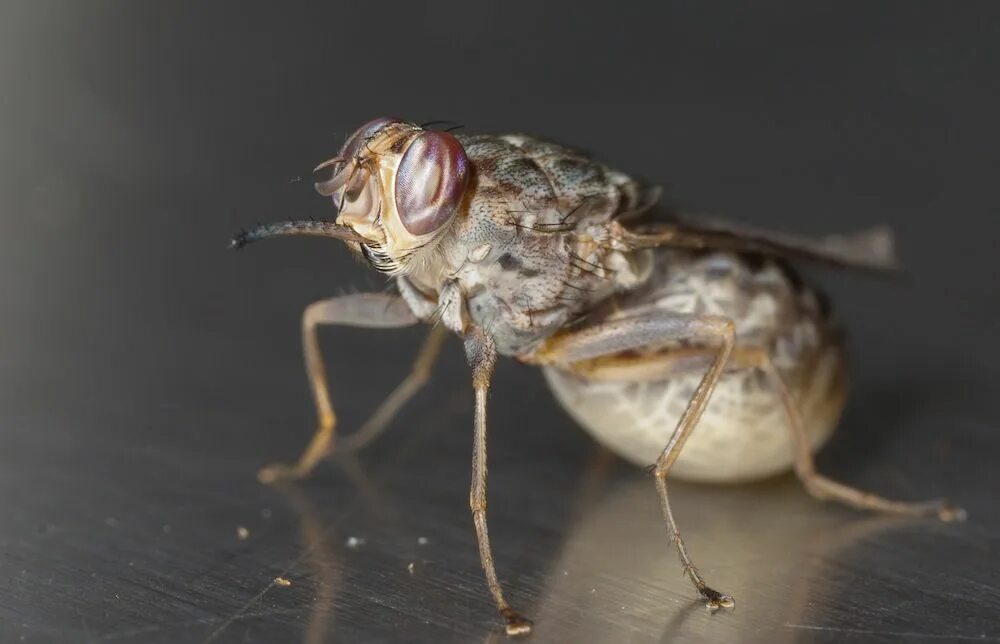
(645,331)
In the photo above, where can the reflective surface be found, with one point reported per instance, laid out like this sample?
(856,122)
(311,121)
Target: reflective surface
(146,372)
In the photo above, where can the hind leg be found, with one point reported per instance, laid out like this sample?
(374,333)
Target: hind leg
(696,359)
(822,487)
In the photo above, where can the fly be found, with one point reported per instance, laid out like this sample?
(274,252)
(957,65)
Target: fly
(688,343)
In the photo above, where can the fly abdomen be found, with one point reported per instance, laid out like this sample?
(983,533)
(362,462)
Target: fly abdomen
(744,432)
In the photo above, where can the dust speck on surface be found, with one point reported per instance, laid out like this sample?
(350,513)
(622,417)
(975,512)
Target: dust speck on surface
(242,533)
(421,541)
(354,542)
(409,567)
(265,513)
(281,581)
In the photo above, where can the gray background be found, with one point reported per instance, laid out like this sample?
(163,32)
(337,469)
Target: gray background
(146,372)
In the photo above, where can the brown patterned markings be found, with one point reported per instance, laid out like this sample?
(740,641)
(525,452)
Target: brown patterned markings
(575,178)
(522,177)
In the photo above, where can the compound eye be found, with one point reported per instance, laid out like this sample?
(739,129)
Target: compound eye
(353,145)
(430,182)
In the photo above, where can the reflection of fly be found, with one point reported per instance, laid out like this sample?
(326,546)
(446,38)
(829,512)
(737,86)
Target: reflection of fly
(528,249)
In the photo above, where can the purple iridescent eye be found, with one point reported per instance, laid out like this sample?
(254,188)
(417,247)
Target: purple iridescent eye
(430,182)
(353,145)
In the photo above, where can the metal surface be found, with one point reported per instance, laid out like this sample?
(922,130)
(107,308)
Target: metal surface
(146,372)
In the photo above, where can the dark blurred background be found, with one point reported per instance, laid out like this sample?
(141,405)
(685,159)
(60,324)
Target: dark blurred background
(146,372)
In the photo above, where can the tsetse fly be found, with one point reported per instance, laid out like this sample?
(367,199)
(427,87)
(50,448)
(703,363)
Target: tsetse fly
(686,343)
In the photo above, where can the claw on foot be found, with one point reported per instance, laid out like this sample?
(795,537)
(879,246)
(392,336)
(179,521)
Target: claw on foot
(278,473)
(516,623)
(717,600)
(951,513)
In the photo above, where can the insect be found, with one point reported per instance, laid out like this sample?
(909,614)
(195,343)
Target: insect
(686,343)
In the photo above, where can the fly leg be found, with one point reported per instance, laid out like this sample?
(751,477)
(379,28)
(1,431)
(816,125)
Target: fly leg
(482,355)
(365,310)
(643,331)
(681,361)
(824,488)
(419,374)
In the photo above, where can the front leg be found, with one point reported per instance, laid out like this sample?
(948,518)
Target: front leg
(364,310)
(482,355)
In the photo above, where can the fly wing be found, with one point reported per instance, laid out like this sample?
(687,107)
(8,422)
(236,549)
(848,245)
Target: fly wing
(870,249)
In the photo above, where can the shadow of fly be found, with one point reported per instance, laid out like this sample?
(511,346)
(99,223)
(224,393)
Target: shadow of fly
(685,342)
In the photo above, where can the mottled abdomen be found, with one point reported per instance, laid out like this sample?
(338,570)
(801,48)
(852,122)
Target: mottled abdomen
(743,433)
